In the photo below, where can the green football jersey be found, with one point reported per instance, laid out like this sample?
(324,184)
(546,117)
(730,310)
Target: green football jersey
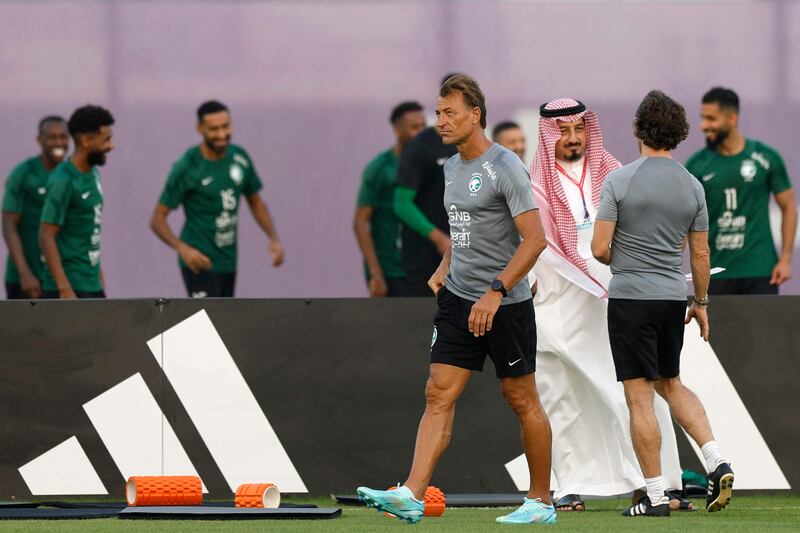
(377,191)
(210,192)
(74,201)
(738,189)
(25,192)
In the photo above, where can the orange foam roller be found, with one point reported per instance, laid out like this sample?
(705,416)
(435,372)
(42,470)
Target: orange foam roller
(258,495)
(164,490)
(434,503)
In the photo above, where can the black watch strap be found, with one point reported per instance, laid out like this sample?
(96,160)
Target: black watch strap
(498,286)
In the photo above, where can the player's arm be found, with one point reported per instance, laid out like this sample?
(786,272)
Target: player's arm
(361,227)
(407,211)
(788,206)
(28,282)
(264,221)
(605,223)
(700,260)
(436,281)
(529,226)
(601,240)
(47,241)
(194,259)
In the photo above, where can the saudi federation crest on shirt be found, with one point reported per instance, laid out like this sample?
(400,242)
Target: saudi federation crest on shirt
(475,183)
(236,174)
(748,170)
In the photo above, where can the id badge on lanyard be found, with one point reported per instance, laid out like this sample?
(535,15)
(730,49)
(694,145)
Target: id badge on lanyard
(585,228)
(585,233)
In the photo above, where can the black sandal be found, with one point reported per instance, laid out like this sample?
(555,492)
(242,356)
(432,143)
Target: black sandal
(684,504)
(570,502)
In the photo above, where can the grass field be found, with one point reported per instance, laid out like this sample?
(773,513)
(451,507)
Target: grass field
(746,513)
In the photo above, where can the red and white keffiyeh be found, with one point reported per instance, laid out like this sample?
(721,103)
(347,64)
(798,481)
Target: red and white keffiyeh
(557,218)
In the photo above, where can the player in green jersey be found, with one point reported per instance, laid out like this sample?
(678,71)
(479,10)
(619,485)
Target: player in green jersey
(376,226)
(208,180)
(73,210)
(738,175)
(22,209)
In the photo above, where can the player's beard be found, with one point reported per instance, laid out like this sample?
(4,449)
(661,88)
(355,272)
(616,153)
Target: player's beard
(718,140)
(96,159)
(210,145)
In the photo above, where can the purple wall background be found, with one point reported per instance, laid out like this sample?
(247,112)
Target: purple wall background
(311,84)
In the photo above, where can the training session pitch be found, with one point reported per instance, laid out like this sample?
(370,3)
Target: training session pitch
(746,513)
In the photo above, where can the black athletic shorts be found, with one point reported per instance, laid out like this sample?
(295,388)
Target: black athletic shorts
(14,292)
(511,343)
(207,284)
(646,337)
(398,287)
(417,284)
(741,286)
(53,295)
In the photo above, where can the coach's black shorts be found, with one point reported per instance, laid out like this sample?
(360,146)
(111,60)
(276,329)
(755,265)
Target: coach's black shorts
(511,343)
(646,337)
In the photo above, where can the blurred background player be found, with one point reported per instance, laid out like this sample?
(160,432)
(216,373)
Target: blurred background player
(418,202)
(376,226)
(738,175)
(22,210)
(73,210)
(584,402)
(648,210)
(208,180)
(510,135)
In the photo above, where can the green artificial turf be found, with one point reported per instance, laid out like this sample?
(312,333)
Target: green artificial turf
(746,513)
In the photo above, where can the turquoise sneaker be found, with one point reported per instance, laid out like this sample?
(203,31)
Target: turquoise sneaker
(400,502)
(530,512)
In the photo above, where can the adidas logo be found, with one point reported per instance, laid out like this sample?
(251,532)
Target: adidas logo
(141,441)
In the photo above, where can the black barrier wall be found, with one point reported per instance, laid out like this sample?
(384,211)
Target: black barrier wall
(340,383)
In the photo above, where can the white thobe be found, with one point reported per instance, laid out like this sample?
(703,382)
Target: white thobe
(592,449)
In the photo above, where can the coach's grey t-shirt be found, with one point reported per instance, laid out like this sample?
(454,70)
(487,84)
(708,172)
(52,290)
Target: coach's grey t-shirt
(655,203)
(482,197)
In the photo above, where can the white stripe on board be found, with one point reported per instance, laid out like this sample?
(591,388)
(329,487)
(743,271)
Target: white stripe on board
(734,430)
(222,406)
(129,422)
(63,470)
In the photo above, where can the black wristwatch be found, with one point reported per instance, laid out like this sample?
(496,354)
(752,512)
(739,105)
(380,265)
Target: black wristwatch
(497,286)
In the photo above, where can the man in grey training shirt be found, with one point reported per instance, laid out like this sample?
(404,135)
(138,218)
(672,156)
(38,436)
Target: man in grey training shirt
(648,209)
(484,300)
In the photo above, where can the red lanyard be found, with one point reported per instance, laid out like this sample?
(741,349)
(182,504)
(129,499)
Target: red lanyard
(578,185)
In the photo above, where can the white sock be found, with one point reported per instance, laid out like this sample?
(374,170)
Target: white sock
(655,488)
(712,455)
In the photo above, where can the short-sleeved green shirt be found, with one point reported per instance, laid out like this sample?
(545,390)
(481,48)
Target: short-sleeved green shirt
(377,191)
(209,192)
(25,191)
(74,201)
(737,190)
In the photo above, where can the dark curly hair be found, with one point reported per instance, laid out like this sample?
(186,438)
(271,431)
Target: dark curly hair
(660,122)
(88,119)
